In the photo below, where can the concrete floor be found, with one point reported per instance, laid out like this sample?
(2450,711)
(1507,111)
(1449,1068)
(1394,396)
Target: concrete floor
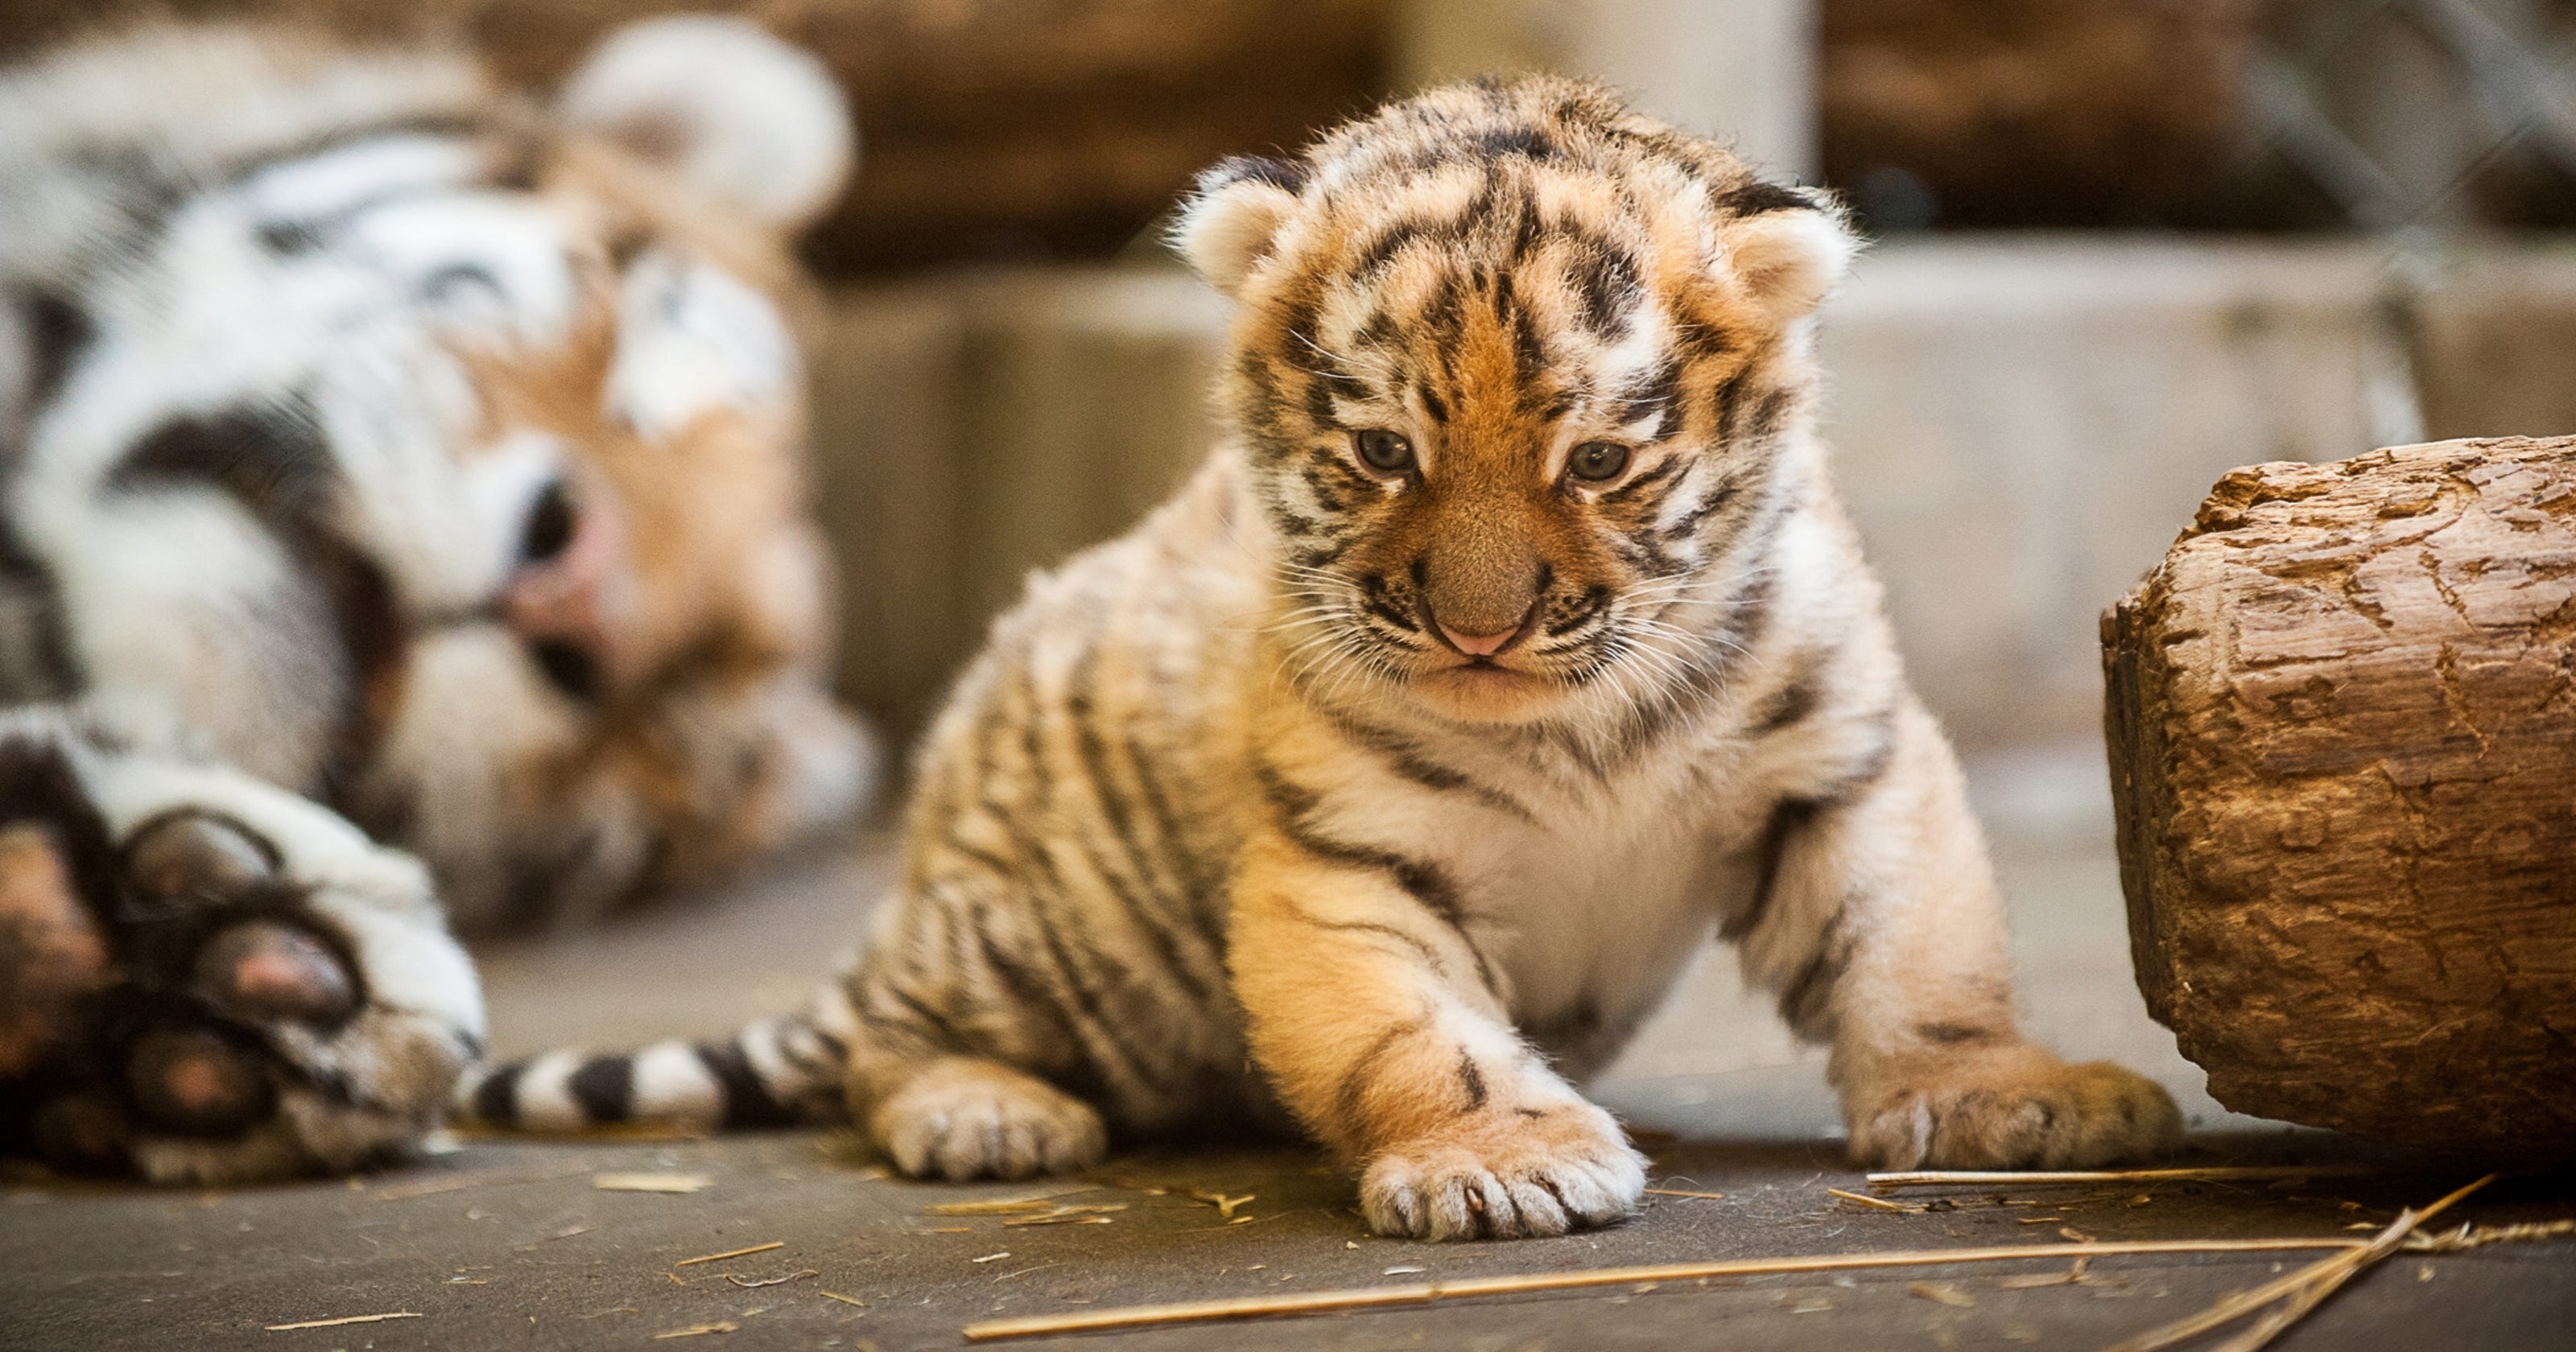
(511,1243)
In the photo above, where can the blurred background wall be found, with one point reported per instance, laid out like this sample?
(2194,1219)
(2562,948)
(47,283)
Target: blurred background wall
(2124,245)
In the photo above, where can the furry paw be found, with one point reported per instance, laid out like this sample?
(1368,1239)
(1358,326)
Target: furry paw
(261,991)
(2019,1109)
(1506,1176)
(964,1118)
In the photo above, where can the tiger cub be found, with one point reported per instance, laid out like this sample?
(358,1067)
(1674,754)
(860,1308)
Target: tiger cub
(1514,642)
(389,460)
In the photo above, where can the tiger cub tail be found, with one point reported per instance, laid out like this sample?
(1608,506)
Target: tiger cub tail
(776,1071)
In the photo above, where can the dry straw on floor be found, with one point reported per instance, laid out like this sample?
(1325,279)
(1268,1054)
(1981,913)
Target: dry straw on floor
(1979,1178)
(1317,1302)
(2297,1293)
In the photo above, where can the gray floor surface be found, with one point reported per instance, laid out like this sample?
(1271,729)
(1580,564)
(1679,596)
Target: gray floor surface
(508,1243)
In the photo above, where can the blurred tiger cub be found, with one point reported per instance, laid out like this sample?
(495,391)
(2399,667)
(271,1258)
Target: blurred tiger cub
(378,446)
(1569,659)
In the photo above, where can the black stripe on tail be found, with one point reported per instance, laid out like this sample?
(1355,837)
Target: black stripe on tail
(773,1073)
(747,1102)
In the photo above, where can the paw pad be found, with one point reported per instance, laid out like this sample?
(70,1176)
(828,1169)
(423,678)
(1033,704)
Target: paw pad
(196,1082)
(268,969)
(190,855)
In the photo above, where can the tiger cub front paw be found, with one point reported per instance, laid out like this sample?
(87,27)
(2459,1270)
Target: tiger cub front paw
(2016,1108)
(1522,1173)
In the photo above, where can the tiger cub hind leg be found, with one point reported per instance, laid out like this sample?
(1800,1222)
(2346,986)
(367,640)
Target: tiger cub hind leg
(238,985)
(968,1117)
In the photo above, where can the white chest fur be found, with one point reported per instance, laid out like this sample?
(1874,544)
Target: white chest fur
(1592,903)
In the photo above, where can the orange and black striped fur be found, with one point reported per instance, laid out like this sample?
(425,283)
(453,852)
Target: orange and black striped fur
(1514,643)
(389,461)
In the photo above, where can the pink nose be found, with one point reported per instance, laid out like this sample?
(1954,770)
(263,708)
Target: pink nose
(567,594)
(1479,645)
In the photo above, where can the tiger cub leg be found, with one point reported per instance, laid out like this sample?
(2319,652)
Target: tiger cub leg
(936,1046)
(1374,1020)
(1881,930)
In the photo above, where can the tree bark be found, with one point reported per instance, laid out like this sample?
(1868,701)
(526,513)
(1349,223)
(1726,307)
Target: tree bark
(2342,725)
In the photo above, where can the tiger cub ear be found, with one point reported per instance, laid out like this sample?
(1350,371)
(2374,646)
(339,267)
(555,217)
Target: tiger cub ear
(1230,221)
(1787,247)
(749,123)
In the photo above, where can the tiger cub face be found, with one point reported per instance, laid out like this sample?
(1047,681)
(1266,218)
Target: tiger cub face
(433,451)
(1513,367)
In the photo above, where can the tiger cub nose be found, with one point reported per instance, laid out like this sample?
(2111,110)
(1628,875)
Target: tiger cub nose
(1479,645)
(562,590)
(1471,644)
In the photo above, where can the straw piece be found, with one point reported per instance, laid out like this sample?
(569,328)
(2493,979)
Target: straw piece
(1224,1204)
(2307,1286)
(749,1284)
(2476,1236)
(1007,1206)
(1876,1203)
(1314,1302)
(1678,1192)
(346,1319)
(730,1253)
(1942,1293)
(2074,1275)
(673,1183)
(1985,1178)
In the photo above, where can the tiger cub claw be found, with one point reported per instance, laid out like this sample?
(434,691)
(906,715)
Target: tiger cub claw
(1510,1176)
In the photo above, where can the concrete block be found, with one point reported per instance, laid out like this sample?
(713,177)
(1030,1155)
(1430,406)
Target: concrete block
(2021,425)
(2493,334)
(970,426)
(1744,69)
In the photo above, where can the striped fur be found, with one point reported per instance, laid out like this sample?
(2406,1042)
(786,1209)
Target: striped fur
(1407,773)
(432,453)
(377,433)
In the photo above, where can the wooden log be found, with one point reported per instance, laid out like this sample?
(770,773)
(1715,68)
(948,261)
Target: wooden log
(2342,725)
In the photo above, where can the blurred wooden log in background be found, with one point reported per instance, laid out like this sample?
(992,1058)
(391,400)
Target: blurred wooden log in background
(989,128)
(2342,721)
(1015,129)
(2033,112)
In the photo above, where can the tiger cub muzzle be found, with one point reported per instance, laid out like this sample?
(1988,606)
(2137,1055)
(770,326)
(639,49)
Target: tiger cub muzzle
(1481,585)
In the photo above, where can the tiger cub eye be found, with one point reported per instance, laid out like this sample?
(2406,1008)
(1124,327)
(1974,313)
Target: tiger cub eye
(1381,450)
(1598,460)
